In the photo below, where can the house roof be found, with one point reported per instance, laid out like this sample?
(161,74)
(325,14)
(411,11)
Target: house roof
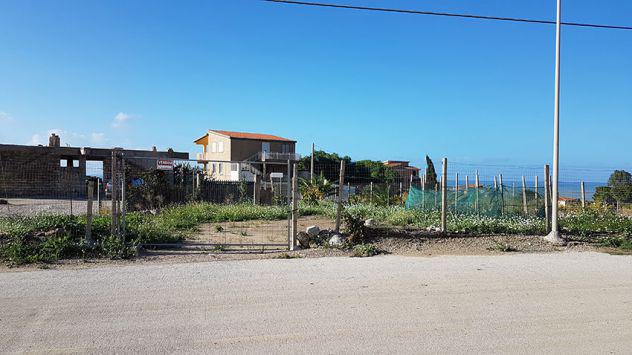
(563,198)
(255,136)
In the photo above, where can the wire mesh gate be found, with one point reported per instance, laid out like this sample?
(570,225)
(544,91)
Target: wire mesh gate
(224,199)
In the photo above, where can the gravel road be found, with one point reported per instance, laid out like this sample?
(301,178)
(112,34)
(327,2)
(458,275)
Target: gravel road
(519,303)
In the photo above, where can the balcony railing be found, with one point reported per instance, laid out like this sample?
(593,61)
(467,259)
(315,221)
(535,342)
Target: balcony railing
(279,156)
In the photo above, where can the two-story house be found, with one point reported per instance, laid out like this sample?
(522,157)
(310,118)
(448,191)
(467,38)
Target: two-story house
(236,156)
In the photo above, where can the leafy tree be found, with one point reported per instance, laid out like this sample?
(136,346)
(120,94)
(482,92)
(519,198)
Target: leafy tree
(620,183)
(431,174)
(603,195)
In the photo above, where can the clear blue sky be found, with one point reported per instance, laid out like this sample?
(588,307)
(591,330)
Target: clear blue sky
(369,85)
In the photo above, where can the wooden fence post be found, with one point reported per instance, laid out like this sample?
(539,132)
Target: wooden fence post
(340,188)
(123,226)
(524,196)
(89,213)
(456,191)
(477,182)
(495,184)
(583,192)
(114,194)
(294,228)
(547,198)
(502,194)
(444,193)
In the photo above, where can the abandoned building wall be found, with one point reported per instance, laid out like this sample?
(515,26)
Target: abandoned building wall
(38,173)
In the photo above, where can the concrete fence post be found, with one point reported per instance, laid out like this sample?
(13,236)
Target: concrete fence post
(583,193)
(456,191)
(477,182)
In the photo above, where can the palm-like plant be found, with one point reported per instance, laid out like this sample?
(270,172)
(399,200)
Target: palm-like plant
(315,190)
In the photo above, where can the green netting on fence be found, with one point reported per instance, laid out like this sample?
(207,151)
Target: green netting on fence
(483,200)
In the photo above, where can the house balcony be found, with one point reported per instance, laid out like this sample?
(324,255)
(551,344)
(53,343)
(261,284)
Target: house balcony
(276,156)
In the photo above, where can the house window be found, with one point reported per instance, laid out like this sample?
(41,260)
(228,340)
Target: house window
(75,163)
(63,163)
(285,148)
(234,167)
(213,168)
(220,147)
(265,147)
(221,170)
(214,147)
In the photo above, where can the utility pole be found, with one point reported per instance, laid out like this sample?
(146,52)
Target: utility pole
(554,235)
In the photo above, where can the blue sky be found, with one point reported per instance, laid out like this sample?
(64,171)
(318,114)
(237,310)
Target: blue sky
(369,85)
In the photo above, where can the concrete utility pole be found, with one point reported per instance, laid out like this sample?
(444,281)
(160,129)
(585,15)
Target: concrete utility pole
(554,235)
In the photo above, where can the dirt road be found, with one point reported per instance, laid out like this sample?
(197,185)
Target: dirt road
(563,302)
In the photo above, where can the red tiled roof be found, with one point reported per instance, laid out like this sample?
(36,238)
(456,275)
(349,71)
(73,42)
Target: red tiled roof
(255,136)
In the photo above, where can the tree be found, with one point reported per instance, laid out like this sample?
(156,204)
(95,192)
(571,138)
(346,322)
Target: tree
(603,196)
(431,174)
(620,184)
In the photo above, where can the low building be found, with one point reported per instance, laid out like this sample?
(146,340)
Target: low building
(237,156)
(54,171)
(567,201)
(404,170)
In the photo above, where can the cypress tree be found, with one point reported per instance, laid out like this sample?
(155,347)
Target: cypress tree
(431,174)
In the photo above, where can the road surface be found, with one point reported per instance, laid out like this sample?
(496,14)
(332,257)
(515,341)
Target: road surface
(565,302)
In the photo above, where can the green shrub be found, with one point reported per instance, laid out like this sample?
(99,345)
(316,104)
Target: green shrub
(364,250)
(115,248)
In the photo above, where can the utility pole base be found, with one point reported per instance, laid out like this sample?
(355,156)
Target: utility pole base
(555,238)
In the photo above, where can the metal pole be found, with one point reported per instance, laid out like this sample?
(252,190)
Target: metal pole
(554,235)
(444,192)
(89,213)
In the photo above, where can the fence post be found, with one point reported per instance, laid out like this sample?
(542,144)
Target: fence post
(340,185)
(89,213)
(583,192)
(289,181)
(456,191)
(477,182)
(123,204)
(537,197)
(114,194)
(524,196)
(467,183)
(502,194)
(294,229)
(547,198)
(495,184)
(255,190)
(98,196)
(311,167)
(444,193)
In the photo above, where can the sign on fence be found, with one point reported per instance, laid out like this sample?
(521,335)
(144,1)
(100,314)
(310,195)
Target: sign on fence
(164,164)
(276,175)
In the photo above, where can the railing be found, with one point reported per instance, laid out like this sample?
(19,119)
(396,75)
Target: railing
(279,156)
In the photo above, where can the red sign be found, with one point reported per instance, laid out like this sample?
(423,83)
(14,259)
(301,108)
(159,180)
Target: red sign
(164,164)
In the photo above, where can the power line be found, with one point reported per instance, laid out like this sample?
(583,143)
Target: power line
(447,14)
